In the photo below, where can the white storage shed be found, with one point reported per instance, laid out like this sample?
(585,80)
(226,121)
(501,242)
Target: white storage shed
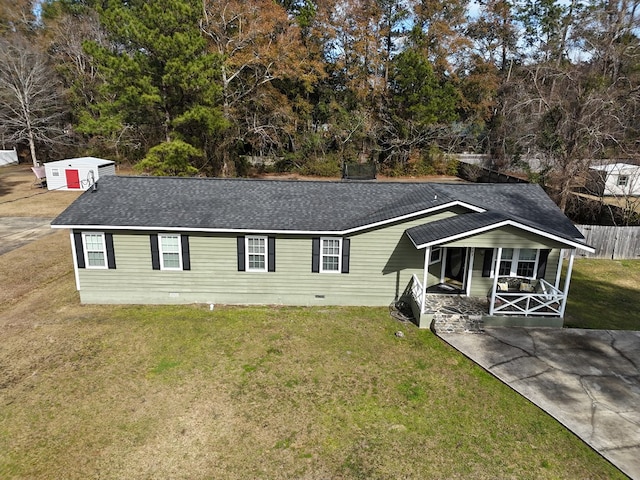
(77,173)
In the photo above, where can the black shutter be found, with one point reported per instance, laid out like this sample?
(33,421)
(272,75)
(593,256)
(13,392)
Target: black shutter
(155,252)
(271,249)
(346,247)
(186,259)
(315,255)
(487,262)
(77,240)
(111,256)
(241,266)
(542,263)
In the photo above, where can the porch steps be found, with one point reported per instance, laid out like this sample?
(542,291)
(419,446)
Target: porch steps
(457,323)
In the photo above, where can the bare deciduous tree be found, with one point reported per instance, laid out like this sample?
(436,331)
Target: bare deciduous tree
(29,96)
(262,53)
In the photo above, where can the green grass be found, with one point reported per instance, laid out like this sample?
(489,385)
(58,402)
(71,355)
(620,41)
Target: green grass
(604,294)
(184,392)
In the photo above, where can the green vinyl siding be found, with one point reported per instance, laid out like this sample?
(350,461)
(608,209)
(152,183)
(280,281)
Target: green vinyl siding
(382,261)
(506,237)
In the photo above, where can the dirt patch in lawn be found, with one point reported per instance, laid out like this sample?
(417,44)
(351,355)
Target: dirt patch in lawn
(20,198)
(29,271)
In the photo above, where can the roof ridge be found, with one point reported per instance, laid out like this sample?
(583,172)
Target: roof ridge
(320,181)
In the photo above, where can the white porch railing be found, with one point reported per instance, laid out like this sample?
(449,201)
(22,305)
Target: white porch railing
(417,292)
(547,302)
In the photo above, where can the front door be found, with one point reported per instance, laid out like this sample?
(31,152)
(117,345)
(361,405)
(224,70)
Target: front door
(454,267)
(73,179)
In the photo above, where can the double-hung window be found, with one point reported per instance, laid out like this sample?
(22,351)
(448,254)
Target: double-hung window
(256,251)
(95,250)
(518,262)
(330,256)
(256,254)
(170,251)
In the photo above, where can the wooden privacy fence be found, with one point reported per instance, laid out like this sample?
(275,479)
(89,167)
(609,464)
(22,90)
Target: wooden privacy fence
(617,243)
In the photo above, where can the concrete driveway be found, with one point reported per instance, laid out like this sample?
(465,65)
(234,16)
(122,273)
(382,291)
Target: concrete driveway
(18,231)
(589,380)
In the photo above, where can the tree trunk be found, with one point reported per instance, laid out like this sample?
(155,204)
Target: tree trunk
(32,149)
(32,144)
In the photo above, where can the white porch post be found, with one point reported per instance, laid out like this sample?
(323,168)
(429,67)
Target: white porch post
(425,273)
(567,281)
(559,271)
(469,264)
(496,270)
(443,263)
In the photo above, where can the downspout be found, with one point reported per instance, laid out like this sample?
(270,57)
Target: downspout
(495,280)
(425,273)
(567,282)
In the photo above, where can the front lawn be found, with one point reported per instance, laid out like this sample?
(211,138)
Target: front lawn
(604,294)
(182,392)
(121,392)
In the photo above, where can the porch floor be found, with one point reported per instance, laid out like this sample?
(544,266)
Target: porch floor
(455,305)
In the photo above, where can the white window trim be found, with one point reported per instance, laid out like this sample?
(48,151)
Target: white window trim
(161,253)
(322,255)
(55,172)
(86,251)
(514,263)
(247,253)
(437,250)
(623,180)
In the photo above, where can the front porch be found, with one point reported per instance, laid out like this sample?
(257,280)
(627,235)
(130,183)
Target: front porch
(539,304)
(483,270)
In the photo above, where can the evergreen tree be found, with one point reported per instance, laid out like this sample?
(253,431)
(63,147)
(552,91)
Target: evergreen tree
(158,80)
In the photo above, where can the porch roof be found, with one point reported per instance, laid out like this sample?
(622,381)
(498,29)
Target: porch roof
(470,224)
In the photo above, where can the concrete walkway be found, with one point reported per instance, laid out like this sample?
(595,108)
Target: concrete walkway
(18,231)
(589,380)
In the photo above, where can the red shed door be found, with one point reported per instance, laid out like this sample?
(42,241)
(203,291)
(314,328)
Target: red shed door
(73,179)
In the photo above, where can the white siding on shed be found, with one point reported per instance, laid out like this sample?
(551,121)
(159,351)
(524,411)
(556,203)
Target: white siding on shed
(57,172)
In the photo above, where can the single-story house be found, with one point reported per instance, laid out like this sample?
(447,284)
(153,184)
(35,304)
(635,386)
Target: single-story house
(77,173)
(160,240)
(615,179)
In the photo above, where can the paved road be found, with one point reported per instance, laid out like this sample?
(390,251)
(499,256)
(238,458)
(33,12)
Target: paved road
(18,231)
(589,380)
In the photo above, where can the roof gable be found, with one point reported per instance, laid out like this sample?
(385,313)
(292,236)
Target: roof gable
(471,224)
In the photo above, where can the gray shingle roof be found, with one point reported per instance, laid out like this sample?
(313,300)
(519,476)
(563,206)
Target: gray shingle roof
(453,226)
(300,206)
(522,202)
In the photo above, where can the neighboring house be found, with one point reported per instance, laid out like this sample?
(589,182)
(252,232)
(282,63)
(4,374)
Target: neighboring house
(159,240)
(77,173)
(616,179)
